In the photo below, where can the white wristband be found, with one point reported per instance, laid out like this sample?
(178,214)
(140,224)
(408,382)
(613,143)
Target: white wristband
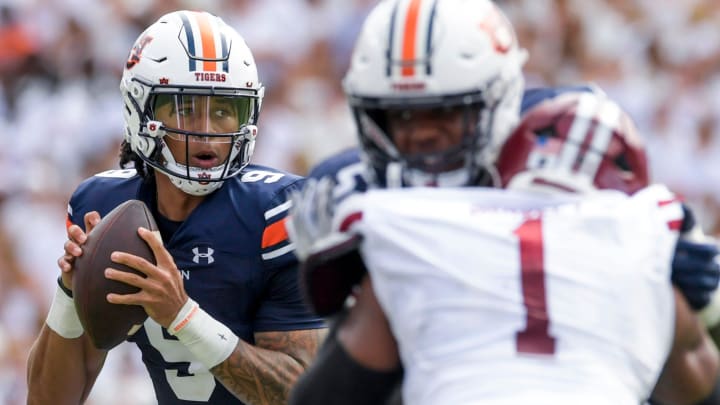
(63,318)
(208,340)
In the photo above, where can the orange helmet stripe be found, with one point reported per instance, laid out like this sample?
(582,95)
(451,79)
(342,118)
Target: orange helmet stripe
(207,38)
(410,38)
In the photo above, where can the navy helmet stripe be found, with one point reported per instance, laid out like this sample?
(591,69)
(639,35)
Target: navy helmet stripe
(389,53)
(190,41)
(224,49)
(428,43)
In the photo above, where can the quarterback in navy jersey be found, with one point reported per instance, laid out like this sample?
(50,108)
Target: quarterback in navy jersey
(235,260)
(226,320)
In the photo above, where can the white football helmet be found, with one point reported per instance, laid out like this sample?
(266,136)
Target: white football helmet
(435,55)
(201,71)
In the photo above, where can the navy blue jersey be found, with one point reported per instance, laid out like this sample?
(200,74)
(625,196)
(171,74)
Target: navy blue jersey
(236,262)
(533,96)
(347,168)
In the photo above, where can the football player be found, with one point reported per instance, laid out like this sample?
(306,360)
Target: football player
(558,295)
(405,123)
(227,323)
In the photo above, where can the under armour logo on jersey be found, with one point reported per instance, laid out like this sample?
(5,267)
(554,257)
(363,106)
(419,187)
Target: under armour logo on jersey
(206,256)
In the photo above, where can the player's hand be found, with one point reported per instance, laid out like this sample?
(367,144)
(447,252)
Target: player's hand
(330,264)
(311,216)
(696,270)
(162,293)
(73,246)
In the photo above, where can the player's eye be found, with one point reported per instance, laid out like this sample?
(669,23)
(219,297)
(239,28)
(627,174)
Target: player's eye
(222,112)
(400,115)
(186,111)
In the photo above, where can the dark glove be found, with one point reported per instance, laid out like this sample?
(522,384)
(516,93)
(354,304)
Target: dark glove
(696,271)
(328,276)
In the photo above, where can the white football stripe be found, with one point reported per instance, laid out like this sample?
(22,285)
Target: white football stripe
(280,208)
(278,252)
(578,131)
(608,119)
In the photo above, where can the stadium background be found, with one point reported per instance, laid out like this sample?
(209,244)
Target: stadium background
(60,116)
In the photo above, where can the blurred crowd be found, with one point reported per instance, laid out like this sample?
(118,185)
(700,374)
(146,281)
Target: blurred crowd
(61,121)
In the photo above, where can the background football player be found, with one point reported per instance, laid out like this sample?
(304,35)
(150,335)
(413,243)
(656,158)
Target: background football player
(407,138)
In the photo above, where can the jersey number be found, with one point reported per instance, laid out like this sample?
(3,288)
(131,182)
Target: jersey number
(267,177)
(535,338)
(190,381)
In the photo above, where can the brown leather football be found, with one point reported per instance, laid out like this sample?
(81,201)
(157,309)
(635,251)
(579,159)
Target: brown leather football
(108,324)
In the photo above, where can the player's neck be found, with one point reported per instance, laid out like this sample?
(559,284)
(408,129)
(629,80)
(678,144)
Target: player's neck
(173,203)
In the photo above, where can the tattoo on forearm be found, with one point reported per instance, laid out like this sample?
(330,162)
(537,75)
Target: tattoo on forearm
(264,373)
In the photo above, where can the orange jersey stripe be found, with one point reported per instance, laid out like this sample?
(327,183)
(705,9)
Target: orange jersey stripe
(68,223)
(409,38)
(274,233)
(207,36)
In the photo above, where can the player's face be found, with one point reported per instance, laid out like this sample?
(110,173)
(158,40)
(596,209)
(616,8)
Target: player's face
(427,130)
(210,115)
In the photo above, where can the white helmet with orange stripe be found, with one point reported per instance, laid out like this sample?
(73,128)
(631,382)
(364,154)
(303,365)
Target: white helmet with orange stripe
(435,87)
(192,97)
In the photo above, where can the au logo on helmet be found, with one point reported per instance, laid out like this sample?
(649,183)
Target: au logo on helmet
(204,176)
(499,30)
(137,50)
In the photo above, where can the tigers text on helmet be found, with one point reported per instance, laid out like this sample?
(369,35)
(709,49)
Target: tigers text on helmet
(447,63)
(574,142)
(192,98)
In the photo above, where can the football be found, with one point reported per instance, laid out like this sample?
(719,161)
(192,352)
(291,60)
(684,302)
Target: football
(108,324)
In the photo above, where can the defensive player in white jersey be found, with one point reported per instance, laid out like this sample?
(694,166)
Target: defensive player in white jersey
(558,295)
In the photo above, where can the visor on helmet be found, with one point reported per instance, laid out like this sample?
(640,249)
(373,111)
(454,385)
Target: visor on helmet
(212,119)
(432,137)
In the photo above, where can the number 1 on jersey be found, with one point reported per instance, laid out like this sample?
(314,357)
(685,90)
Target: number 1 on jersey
(535,338)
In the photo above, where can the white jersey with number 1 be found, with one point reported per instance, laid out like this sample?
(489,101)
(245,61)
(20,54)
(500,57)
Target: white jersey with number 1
(501,297)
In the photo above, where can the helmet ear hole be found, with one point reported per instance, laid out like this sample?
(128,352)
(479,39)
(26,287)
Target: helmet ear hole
(621,162)
(546,133)
(136,90)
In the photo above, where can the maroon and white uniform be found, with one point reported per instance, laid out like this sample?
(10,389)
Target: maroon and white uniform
(508,297)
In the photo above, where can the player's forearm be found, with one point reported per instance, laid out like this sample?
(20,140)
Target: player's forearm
(259,376)
(689,383)
(692,366)
(60,370)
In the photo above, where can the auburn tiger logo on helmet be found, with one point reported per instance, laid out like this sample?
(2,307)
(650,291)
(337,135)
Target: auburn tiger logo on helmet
(137,50)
